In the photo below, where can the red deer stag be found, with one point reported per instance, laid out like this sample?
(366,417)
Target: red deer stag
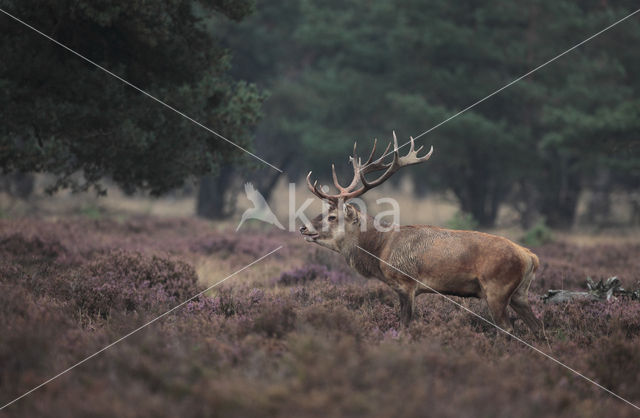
(451,262)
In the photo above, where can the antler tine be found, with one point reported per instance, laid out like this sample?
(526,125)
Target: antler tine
(412,150)
(412,156)
(359,170)
(397,163)
(344,192)
(335,178)
(369,185)
(384,154)
(354,159)
(419,148)
(386,150)
(373,151)
(356,173)
(396,151)
(376,165)
(317,191)
(356,169)
(427,155)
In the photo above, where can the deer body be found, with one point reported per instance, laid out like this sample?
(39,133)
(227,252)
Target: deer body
(424,259)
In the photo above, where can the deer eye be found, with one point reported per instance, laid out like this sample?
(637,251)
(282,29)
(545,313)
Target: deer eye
(332,218)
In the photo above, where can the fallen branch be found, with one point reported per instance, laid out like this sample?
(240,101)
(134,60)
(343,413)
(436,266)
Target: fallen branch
(596,291)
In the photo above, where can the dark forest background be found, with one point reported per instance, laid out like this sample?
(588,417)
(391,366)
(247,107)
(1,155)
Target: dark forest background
(297,82)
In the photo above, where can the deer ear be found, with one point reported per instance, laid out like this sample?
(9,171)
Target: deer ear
(349,212)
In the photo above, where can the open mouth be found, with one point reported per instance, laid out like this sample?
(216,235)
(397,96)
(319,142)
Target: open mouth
(311,237)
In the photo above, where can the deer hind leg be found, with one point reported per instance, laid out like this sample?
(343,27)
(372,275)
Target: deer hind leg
(497,297)
(520,304)
(498,309)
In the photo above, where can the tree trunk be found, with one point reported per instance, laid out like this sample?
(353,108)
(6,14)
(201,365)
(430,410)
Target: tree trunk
(482,200)
(526,202)
(18,184)
(599,207)
(559,193)
(421,188)
(212,202)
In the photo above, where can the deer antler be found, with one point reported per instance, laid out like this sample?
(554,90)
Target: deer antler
(370,166)
(345,192)
(390,168)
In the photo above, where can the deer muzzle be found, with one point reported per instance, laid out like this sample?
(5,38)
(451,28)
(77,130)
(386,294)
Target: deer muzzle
(308,234)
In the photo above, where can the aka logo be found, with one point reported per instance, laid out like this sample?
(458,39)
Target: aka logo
(260,210)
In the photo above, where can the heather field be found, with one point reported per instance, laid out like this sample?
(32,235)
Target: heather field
(297,334)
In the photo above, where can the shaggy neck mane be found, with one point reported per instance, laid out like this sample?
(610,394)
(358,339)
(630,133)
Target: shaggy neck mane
(371,240)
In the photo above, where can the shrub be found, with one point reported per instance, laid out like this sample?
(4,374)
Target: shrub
(333,319)
(329,343)
(303,274)
(539,234)
(462,221)
(130,281)
(92,212)
(617,364)
(275,319)
(32,329)
(19,246)
(310,273)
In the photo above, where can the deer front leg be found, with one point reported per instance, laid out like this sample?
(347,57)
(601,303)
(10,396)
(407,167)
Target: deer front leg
(407,306)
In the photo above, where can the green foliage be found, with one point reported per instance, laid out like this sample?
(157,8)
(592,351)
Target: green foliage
(341,72)
(539,234)
(91,212)
(336,72)
(66,117)
(462,221)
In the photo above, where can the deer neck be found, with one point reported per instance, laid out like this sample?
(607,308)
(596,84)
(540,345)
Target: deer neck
(370,240)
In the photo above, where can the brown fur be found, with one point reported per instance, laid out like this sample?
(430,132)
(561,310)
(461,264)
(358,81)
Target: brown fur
(451,262)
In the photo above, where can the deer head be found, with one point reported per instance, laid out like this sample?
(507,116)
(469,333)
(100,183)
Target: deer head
(341,221)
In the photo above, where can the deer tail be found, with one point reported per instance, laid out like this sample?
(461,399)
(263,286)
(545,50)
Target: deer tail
(535,262)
